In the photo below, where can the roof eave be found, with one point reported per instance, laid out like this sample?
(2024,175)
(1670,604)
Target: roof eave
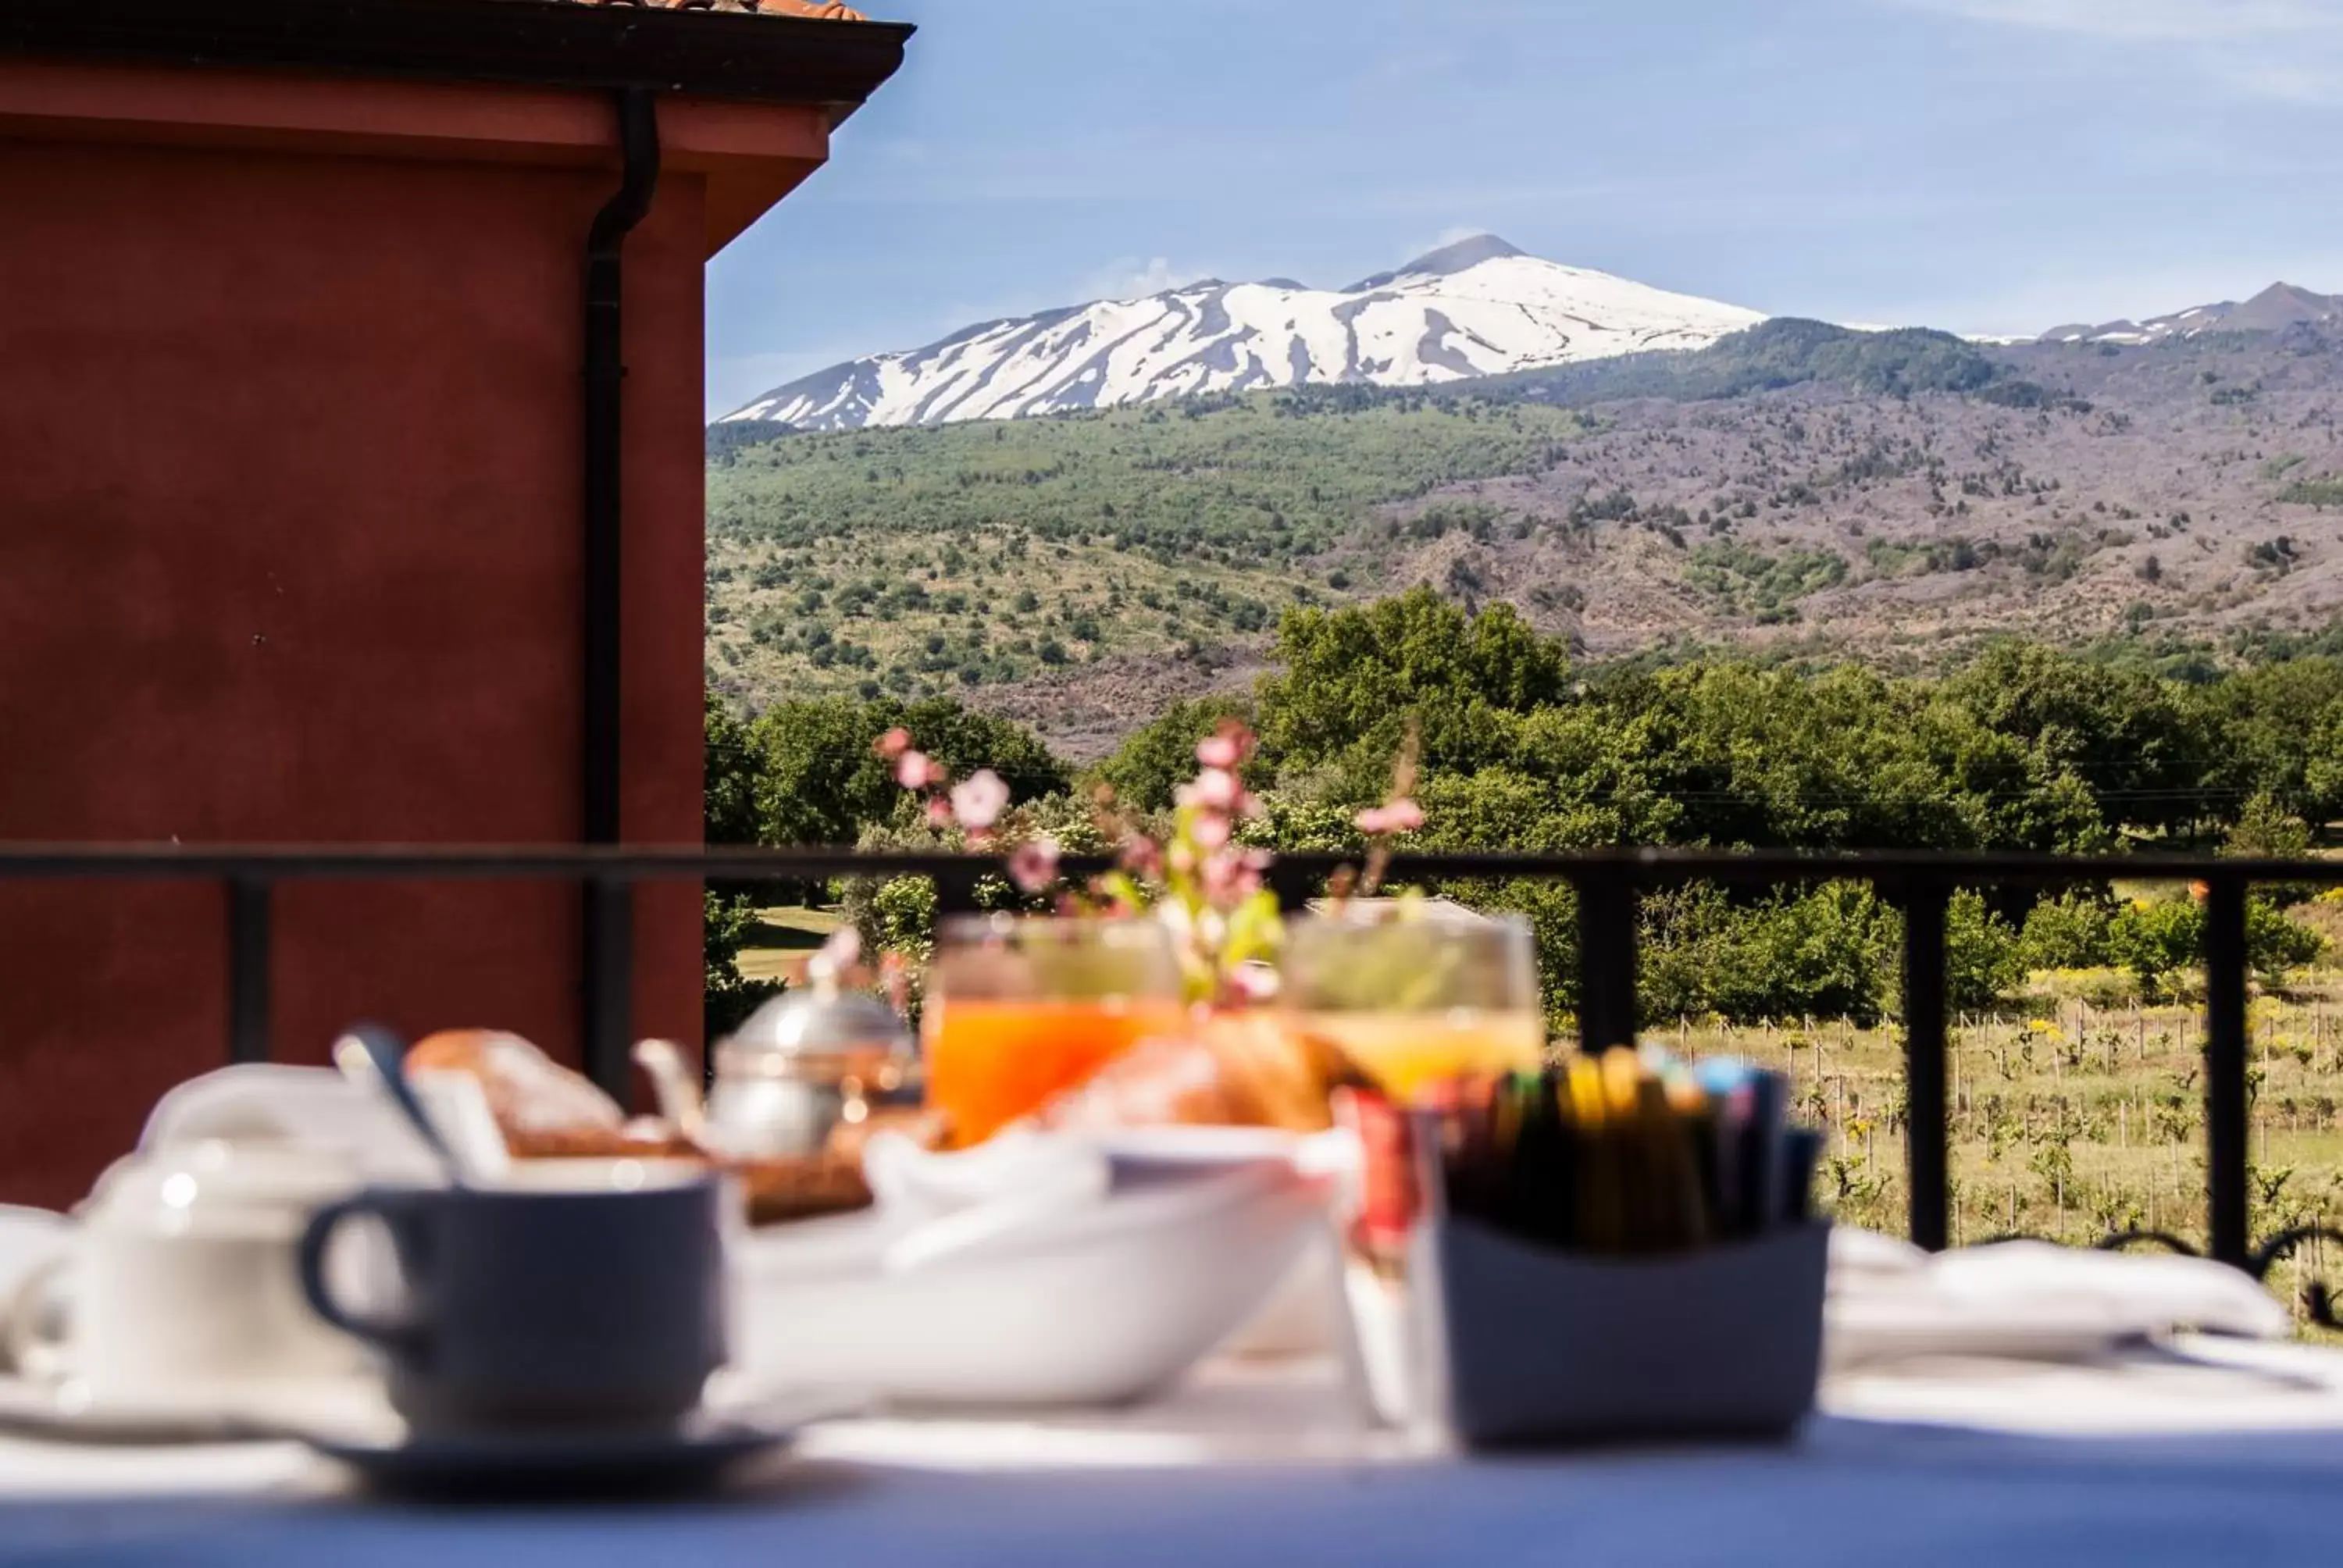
(533,43)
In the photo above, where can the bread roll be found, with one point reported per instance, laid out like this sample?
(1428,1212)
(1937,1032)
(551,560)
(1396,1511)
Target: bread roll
(543,1109)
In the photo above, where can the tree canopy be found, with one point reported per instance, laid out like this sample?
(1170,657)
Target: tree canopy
(1522,747)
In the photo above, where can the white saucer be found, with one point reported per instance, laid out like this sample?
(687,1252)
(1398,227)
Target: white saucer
(70,1409)
(697,1455)
(1869,1331)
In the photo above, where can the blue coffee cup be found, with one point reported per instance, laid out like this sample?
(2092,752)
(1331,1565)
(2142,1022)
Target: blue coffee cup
(538,1309)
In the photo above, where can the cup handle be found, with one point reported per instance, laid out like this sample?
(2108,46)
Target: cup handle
(318,1238)
(31,1352)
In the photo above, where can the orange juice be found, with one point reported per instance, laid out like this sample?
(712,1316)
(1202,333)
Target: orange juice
(989,1061)
(1405,1051)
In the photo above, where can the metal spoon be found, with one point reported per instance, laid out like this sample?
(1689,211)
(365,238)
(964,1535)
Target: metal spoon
(371,1055)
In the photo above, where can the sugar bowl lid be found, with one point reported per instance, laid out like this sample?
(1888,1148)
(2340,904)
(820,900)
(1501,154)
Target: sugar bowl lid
(820,1027)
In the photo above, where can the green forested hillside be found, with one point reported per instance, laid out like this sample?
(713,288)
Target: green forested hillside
(1773,354)
(925,560)
(1798,489)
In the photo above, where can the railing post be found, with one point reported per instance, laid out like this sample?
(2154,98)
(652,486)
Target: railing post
(1294,886)
(1926,1119)
(2224,1070)
(608,993)
(956,892)
(248,952)
(1606,957)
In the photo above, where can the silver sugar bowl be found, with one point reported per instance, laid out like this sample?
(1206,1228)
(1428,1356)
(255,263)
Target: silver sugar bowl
(802,1063)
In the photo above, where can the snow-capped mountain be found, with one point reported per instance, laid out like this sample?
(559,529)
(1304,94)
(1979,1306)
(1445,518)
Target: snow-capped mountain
(2279,306)
(1478,307)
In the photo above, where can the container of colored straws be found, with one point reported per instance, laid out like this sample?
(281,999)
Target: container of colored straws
(1623,1248)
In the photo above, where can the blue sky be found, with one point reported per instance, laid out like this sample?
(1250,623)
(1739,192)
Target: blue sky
(1985,165)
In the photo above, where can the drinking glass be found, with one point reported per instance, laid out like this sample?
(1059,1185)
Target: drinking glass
(1416,993)
(1019,1009)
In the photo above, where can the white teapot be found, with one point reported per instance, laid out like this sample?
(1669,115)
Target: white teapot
(180,1275)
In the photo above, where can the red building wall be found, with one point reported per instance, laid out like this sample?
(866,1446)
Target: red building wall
(289,495)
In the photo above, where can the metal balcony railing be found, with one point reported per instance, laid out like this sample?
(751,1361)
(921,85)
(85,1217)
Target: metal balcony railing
(1608,885)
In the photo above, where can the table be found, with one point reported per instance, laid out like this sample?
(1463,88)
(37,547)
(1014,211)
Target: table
(2213,1452)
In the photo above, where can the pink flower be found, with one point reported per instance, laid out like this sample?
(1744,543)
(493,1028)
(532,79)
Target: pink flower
(1216,790)
(914,771)
(1141,856)
(939,813)
(1209,829)
(892,744)
(1399,817)
(1227,747)
(1033,864)
(1254,982)
(843,951)
(1229,879)
(980,801)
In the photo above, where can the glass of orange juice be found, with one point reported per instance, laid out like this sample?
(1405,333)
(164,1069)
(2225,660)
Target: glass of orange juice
(1019,1009)
(1414,991)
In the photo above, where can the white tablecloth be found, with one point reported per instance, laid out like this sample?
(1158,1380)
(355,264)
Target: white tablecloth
(2227,1453)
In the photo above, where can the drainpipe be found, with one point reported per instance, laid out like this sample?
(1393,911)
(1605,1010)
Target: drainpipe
(606,972)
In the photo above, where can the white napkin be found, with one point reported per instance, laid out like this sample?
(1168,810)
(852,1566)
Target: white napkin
(921,1183)
(2026,1300)
(951,1205)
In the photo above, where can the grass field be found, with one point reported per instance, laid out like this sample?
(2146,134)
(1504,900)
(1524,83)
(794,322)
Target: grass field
(783,935)
(2072,1122)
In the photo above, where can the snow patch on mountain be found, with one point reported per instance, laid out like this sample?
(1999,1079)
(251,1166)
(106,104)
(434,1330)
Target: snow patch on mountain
(1477,307)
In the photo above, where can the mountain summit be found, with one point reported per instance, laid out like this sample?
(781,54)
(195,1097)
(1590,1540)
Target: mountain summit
(2275,308)
(1477,307)
(1448,260)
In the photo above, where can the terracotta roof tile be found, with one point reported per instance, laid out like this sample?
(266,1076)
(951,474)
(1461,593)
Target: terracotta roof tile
(825,10)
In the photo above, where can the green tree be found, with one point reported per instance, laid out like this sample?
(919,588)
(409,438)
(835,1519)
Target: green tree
(729,996)
(1161,755)
(819,780)
(1982,961)
(1829,952)
(2258,720)
(2121,732)
(2067,932)
(730,798)
(2277,944)
(2156,940)
(1356,678)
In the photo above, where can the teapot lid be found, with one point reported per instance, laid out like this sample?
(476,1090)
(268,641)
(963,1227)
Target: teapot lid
(218,1185)
(823,1020)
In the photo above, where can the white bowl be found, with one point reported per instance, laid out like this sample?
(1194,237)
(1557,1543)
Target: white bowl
(1092,1303)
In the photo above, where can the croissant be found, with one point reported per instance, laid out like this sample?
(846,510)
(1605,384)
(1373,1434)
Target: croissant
(1239,1069)
(545,1110)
